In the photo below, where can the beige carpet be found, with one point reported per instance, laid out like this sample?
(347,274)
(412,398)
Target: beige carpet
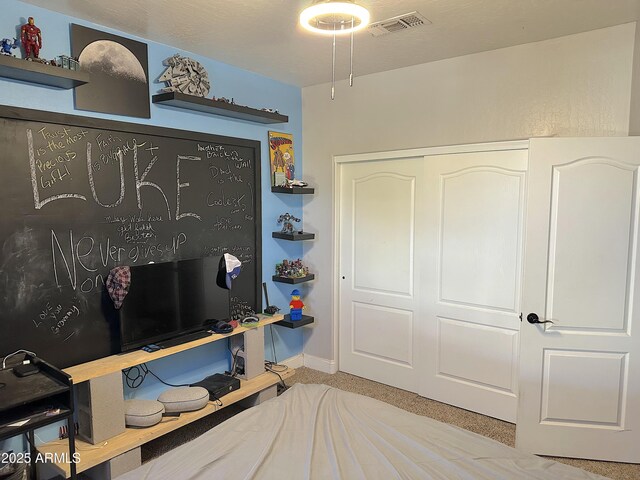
(489,427)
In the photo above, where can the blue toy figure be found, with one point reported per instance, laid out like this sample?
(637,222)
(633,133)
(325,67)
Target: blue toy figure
(296,306)
(7,46)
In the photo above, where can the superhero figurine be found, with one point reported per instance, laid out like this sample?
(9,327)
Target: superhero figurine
(296,306)
(6,47)
(285,219)
(31,39)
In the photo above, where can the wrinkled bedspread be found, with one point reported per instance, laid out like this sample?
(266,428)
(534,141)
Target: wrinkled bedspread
(319,432)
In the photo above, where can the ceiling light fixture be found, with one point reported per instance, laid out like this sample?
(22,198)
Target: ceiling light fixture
(332,17)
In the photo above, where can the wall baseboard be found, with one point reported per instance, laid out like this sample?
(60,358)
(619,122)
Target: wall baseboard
(320,364)
(296,361)
(316,363)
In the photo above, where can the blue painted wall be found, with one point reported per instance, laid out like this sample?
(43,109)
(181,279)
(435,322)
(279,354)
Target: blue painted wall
(247,89)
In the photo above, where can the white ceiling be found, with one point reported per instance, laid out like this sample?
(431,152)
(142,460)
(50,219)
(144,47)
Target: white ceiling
(263,36)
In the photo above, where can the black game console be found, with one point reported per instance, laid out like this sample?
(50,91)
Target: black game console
(218,385)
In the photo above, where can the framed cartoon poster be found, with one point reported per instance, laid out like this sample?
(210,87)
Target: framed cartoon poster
(281,158)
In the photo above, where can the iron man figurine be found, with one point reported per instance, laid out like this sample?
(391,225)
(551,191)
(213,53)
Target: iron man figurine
(31,39)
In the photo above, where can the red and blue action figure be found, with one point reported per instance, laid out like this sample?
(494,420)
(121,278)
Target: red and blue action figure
(31,39)
(296,306)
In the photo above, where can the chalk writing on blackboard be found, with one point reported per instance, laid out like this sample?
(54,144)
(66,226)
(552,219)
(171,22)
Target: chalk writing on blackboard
(221,199)
(184,185)
(140,177)
(222,174)
(55,317)
(236,250)
(240,308)
(140,180)
(219,151)
(136,217)
(240,163)
(226,224)
(67,262)
(34,180)
(137,232)
(83,195)
(92,182)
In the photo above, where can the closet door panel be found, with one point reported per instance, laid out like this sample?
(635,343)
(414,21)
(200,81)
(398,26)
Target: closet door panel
(472,282)
(479,239)
(381,216)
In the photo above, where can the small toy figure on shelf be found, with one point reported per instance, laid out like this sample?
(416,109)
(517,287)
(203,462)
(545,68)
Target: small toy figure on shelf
(293,183)
(67,62)
(31,39)
(295,269)
(296,306)
(7,46)
(290,168)
(185,75)
(286,219)
(224,100)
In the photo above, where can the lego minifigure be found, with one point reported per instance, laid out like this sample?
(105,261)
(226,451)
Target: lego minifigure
(296,306)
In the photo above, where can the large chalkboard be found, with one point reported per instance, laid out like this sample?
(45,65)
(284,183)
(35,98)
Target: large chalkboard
(80,196)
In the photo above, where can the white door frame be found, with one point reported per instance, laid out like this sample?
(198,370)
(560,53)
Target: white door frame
(339,160)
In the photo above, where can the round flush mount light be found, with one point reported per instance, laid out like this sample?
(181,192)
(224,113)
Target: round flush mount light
(329,17)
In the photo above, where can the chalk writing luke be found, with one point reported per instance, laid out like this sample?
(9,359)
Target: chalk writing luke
(140,177)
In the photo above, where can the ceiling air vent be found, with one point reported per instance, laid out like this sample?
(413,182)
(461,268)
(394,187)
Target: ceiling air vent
(397,24)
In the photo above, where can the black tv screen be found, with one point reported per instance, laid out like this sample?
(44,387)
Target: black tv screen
(166,300)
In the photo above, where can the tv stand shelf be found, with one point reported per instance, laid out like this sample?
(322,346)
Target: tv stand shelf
(92,455)
(131,439)
(115,363)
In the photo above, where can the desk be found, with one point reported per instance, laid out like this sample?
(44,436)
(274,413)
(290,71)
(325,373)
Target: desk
(31,402)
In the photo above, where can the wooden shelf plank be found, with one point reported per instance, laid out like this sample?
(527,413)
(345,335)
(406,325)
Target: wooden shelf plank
(92,455)
(218,107)
(36,72)
(294,236)
(308,278)
(287,322)
(115,363)
(293,190)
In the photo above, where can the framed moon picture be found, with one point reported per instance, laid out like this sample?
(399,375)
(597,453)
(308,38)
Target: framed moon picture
(119,73)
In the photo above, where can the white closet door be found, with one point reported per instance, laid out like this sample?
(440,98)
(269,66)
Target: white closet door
(580,375)
(472,282)
(381,210)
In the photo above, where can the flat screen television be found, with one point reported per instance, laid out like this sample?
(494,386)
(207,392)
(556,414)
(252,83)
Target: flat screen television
(166,300)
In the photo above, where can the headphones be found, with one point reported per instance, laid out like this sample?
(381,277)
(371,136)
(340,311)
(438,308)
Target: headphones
(249,322)
(221,327)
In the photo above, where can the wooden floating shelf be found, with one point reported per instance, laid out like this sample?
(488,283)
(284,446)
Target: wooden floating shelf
(92,455)
(218,107)
(36,72)
(116,363)
(287,322)
(293,236)
(293,190)
(277,278)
